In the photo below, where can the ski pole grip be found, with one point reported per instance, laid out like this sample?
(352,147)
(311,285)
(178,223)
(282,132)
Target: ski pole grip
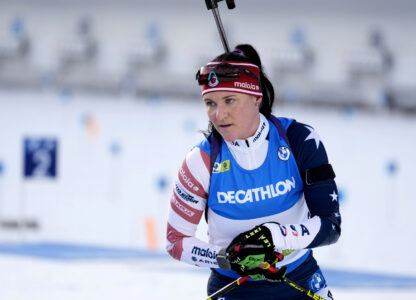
(212,4)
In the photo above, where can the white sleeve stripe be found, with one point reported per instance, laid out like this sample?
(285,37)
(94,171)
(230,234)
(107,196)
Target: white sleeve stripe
(198,169)
(180,224)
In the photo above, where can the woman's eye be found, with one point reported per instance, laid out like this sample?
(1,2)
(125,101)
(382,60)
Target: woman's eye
(209,103)
(229,100)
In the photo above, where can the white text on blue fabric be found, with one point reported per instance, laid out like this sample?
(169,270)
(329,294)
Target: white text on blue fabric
(256,194)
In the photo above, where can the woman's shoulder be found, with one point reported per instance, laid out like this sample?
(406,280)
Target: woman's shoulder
(286,122)
(299,130)
(200,154)
(196,168)
(293,128)
(204,145)
(306,145)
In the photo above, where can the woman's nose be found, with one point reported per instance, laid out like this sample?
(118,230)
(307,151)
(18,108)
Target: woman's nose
(221,112)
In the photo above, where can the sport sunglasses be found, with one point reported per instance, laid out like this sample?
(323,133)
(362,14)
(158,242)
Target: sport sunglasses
(223,71)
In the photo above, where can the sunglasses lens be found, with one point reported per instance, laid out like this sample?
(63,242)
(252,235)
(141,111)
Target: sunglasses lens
(224,72)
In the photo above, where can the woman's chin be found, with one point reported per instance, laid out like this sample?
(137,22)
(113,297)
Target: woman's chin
(227,135)
(229,138)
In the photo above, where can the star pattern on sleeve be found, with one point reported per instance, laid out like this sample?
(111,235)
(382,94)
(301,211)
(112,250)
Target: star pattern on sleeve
(334,196)
(313,135)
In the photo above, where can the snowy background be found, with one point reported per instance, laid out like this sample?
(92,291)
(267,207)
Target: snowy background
(97,229)
(92,217)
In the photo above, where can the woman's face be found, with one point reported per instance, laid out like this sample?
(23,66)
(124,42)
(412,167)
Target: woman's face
(234,115)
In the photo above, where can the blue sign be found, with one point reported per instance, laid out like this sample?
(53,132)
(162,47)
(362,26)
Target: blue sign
(40,157)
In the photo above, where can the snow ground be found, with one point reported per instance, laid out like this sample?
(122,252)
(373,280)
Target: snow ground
(24,277)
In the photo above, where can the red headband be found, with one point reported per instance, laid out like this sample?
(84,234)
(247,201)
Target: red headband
(245,84)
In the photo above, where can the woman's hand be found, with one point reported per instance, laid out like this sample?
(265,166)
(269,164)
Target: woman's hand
(249,252)
(251,246)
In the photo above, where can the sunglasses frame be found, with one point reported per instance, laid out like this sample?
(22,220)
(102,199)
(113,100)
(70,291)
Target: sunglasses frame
(223,76)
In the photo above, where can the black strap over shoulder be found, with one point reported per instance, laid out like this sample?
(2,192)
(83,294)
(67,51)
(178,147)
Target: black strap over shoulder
(280,129)
(323,172)
(215,145)
(215,149)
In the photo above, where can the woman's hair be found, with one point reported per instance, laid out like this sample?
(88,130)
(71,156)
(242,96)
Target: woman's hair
(246,53)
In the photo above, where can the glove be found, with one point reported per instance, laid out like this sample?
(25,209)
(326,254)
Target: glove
(251,252)
(252,247)
(262,271)
(264,274)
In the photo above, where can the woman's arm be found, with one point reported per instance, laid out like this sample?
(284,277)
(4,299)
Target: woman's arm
(324,225)
(187,205)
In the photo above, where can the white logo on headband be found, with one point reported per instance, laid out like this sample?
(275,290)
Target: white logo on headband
(246,85)
(212,79)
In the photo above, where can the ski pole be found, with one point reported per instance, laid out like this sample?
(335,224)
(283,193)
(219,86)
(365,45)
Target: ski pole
(213,5)
(222,291)
(225,264)
(302,289)
(292,283)
(229,287)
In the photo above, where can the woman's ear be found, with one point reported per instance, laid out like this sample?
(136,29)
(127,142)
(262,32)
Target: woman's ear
(258,100)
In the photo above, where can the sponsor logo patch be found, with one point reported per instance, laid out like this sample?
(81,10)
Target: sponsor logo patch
(246,85)
(259,133)
(256,194)
(187,180)
(184,195)
(221,167)
(206,255)
(283,153)
(204,252)
(317,282)
(182,208)
(212,79)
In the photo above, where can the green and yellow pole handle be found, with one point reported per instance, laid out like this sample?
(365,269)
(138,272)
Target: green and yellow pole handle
(225,264)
